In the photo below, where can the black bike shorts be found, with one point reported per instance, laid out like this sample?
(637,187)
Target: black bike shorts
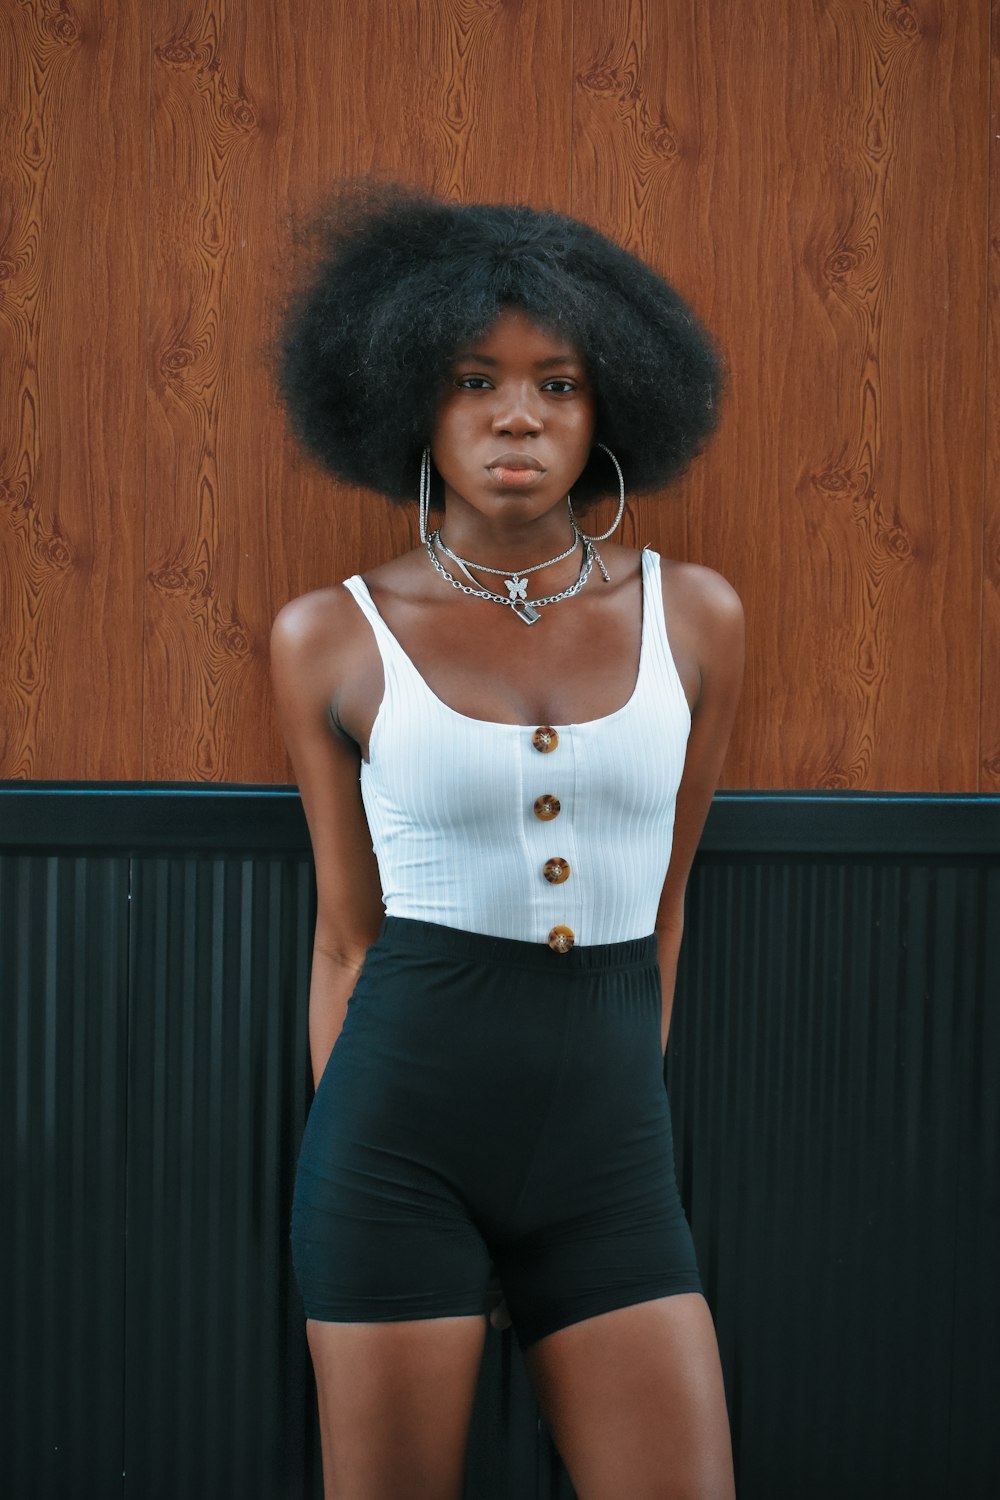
(489,1102)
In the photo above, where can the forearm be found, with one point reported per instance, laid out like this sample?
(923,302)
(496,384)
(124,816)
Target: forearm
(332,982)
(668,947)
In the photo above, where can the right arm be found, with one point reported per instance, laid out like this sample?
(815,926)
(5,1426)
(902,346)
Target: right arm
(308,658)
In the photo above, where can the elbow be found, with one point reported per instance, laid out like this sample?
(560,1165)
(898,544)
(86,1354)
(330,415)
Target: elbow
(344,951)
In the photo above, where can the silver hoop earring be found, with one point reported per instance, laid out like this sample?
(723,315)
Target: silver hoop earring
(621,503)
(425,493)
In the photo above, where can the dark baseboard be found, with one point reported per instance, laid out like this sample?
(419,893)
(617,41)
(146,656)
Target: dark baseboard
(212,817)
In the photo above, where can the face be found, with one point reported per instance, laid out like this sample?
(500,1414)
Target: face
(515,426)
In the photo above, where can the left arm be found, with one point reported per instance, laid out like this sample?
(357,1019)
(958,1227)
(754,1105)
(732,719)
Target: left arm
(714,627)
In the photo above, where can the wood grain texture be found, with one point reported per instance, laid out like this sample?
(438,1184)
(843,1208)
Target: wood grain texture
(814,178)
(205,666)
(776,164)
(990,686)
(72,231)
(256,112)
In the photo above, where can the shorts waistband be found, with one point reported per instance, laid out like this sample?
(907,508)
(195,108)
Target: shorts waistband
(453,942)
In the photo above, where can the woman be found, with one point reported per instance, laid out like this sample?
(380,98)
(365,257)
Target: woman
(529,726)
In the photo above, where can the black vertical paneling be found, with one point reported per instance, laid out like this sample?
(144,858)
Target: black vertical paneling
(834,1071)
(63,990)
(975,1354)
(219,1082)
(829,1067)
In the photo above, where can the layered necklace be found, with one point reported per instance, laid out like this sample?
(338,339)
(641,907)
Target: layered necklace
(516,580)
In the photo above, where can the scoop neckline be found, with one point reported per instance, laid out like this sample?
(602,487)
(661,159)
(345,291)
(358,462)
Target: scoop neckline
(505,723)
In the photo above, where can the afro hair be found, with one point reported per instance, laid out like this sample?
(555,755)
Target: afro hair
(403,279)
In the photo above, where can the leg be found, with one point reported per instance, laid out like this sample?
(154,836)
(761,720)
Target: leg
(635,1402)
(395,1400)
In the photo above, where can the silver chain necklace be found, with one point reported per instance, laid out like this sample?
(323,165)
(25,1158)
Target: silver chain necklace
(525,609)
(514,578)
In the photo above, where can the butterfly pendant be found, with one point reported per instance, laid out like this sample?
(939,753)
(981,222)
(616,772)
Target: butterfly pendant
(517,588)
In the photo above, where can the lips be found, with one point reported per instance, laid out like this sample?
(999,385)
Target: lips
(513,461)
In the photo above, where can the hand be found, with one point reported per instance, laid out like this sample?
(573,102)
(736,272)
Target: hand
(499,1316)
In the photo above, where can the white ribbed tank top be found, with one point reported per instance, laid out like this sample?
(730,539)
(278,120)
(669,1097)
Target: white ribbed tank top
(450,801)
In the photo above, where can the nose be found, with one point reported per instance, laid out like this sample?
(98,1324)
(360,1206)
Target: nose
(516,412)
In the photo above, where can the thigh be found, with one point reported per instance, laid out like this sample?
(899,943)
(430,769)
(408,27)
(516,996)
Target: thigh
(395,1401)
(635,1402)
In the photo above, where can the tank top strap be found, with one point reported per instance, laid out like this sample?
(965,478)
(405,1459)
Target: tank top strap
(652,596)
(663,675)
(393,656)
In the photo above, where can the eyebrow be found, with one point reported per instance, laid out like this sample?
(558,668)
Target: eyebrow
(540,364)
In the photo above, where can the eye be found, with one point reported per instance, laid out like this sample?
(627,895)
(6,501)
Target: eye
(564,386)
(472,382)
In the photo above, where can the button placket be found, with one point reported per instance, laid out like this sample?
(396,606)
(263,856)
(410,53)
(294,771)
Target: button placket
(556,869)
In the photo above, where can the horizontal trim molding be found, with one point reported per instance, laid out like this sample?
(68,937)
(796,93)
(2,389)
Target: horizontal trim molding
(214,817)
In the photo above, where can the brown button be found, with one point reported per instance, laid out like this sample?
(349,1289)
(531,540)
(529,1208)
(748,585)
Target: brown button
(547,808)
(545,739)
(555,871)
(561,939)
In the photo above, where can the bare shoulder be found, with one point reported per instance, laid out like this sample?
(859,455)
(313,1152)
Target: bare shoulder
(317,616)
(319,642)
(705,595)
(705,625)
(314,631)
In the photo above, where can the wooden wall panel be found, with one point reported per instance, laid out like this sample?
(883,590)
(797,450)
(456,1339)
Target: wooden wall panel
(256,111)
(213,110)
(990,688)
(814,178)
(73,81)
(780,175)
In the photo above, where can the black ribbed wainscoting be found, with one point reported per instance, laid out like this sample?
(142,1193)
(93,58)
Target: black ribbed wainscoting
(64,952)
(834,1079)
(833,1069)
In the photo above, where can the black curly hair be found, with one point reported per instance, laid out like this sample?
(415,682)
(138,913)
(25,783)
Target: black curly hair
(403,279)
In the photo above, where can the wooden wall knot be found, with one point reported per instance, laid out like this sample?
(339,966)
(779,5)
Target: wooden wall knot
(836,780)
(663,141)
(233,638)
(839,481)
(175,360)
(8,270)
(55,552)
(874,137)
(33,150)
(895,540)
(608,82)
(15,495)
(901,18)
(63,28)
(179,52)
(841,264)
(173,579)
(240,113)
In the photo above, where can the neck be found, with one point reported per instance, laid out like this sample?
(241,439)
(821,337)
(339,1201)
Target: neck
(506,543)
